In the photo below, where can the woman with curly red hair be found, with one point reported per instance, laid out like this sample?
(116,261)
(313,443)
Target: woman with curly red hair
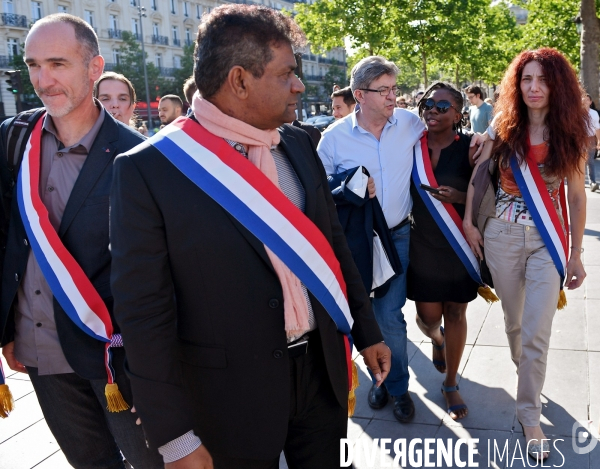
(538,139)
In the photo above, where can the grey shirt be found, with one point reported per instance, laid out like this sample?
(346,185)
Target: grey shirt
(36,339)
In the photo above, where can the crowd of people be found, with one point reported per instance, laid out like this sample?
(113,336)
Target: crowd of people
(191,298)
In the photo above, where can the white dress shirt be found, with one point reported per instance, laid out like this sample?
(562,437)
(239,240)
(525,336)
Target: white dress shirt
(346,145)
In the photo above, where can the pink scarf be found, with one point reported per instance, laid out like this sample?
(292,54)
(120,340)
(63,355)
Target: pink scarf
(259,144)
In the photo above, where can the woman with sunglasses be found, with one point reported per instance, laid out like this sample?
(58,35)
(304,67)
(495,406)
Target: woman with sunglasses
(437,280)
(539,139)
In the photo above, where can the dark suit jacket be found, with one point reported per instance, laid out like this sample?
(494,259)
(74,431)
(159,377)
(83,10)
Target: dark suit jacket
(84,232)
(201,308)
(315,134)
(359,217)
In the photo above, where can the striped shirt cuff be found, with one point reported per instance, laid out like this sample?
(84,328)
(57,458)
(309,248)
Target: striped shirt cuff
(180,447)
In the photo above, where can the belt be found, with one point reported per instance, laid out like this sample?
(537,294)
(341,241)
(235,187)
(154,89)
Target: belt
(402,224)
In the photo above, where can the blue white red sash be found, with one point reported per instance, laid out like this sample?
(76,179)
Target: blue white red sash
(444,214)
(69,284)
(249,196)
(536,196)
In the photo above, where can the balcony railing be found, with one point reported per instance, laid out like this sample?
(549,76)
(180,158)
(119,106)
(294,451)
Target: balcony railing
(166,71)
(10,19)
(189,42)
(164,40)
(115,33)
(4,61)
(177,42)
(313,77)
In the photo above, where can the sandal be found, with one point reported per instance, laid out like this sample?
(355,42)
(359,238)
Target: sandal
(453,408)
(440,365)
(537,451)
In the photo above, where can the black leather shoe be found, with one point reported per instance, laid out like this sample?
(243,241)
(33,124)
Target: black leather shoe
(378,397)
(404,408)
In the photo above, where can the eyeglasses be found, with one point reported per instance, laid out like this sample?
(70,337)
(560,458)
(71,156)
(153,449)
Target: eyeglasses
(384,91)
(441,106)
(402,103)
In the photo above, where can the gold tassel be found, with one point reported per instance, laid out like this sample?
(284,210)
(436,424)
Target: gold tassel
(7,403)
(114,398)
(562,300)
(487,294)
(351,394)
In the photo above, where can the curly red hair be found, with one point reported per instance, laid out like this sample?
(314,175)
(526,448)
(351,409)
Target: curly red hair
(566,123)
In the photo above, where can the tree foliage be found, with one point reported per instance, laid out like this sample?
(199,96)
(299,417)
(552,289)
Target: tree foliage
(550,24)
(131,64)
(29,98)
(455,38)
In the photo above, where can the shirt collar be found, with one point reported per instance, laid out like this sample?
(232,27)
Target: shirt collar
(391,121)
(88,139)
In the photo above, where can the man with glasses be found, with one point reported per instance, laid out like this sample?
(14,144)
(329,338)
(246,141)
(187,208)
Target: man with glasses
(381,137)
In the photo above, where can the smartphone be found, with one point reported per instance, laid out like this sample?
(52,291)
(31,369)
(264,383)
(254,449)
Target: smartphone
(433,190)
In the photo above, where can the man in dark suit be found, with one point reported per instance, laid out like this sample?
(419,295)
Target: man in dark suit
(78,142)
(217,380)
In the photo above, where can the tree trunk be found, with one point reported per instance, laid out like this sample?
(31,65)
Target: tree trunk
(424,57)
(590,37)
(456,76)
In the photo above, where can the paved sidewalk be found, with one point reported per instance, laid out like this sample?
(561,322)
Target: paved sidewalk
(571,392)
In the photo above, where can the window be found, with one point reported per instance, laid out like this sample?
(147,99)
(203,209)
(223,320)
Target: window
(173,7)
(188,35)
(63,9)
(132,3)
(159,60)
(186,9)
(135,27)
(114,22)
(153,5)
(175,33)
(177,61)
(13,46)
(36,11)
(155,31)
(8,6)
(89,17)
(198,11)
(116,56)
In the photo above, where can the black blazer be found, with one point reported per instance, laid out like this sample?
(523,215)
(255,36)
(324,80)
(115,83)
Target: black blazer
(84,232)
(201,308)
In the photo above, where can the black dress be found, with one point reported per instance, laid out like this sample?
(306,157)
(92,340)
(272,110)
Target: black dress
(435,273)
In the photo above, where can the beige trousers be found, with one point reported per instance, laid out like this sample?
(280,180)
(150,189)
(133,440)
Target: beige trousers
(528,285)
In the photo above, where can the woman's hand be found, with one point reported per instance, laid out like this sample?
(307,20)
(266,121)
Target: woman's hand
(575,272)
(473,238)
(450,195)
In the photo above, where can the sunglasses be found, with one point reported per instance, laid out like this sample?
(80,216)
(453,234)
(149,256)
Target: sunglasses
(441,106)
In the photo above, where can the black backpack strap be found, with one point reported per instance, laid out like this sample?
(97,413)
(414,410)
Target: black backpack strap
(17,134)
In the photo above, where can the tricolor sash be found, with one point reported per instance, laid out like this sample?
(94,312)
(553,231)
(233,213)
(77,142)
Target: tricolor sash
(69,284)
(446,217)
(251,198)
(6,398)
(536,196)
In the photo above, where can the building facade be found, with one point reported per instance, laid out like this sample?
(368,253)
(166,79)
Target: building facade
(168,25)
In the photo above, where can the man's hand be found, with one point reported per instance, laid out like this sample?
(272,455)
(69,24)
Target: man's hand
(479,140)
(371,187)
(378,359)
(9,353)
(198,459)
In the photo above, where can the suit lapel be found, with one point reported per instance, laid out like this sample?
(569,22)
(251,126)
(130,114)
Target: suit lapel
(297,158)
(100,156)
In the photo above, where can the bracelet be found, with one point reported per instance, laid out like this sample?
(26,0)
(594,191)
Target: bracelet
(580,250)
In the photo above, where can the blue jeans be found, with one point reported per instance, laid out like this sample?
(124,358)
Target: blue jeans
(388,312)
(591,164)
(90,436)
